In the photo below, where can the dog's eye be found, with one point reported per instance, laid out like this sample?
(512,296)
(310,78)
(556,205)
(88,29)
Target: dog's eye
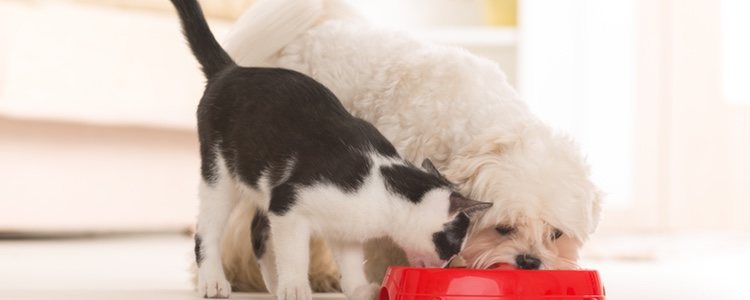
(556,234)
(505,230)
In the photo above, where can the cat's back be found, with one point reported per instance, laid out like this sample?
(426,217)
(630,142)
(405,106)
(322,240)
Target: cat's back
(288,108)
(251,91)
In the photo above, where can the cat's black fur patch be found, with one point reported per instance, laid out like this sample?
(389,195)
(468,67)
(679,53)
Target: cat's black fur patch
(283,198)
(208,164)
(411,182)
(448,242)
(198,250)
(260,230)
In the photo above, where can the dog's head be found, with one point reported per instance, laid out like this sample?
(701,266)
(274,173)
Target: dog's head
(545,205)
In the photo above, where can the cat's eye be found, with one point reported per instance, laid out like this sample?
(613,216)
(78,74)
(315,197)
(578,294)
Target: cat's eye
(505,229)
(556,234)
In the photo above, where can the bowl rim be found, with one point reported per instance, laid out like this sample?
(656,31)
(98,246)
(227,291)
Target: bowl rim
(464,269)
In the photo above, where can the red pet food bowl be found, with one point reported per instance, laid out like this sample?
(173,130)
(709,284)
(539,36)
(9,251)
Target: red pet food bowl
(405,283)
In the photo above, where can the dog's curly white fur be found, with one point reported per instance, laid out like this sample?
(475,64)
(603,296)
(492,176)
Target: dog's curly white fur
(435,102)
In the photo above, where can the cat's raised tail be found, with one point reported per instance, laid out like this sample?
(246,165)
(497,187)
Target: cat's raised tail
(202,42)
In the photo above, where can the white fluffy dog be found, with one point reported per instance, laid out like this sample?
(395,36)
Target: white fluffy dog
(435,102)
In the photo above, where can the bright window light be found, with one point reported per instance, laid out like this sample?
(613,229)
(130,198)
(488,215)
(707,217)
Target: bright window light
(585,86)
(608,60)
(735,49)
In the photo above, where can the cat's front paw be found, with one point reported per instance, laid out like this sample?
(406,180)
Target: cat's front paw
(365,292)
(214,287)
(294,291)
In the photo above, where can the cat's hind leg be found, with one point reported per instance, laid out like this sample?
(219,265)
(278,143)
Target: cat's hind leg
(260,232)
(217,199)
(350,258)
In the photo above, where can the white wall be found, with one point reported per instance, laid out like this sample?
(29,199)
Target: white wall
(709,136)
(65,177)
(97,121)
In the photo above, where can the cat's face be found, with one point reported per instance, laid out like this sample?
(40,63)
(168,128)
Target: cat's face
(438,225)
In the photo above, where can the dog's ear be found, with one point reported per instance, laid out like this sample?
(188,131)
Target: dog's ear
(459,203)
(429,167)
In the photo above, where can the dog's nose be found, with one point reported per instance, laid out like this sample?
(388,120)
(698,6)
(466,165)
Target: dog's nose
(528,262)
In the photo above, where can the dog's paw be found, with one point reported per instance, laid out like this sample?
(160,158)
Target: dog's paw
(365,292)
(294,291)
(214,287)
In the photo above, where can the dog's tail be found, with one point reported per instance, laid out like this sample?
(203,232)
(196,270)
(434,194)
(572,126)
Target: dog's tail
(202,42)
(270,25)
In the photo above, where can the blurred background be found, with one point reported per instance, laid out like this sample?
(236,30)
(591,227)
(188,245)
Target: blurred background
(98,151)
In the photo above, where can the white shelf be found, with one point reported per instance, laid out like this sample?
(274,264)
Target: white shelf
(478,36)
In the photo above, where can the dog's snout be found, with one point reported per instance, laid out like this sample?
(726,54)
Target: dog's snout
(528,262)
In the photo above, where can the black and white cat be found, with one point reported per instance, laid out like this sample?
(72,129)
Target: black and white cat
(284,142)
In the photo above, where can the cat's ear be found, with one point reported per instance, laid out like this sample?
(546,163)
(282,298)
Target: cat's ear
(459,203)
(429,167)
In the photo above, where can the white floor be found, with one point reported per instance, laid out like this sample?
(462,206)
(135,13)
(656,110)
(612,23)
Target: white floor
(155,267)
(129,295)
(135,267)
